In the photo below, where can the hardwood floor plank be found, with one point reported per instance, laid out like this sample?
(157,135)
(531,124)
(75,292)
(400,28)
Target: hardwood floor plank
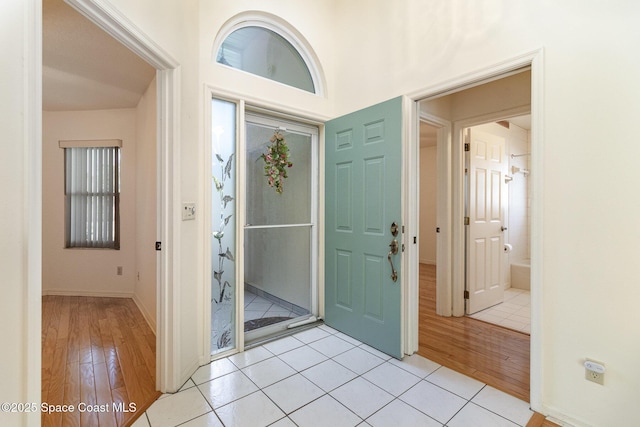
(72,394)
(73,352)
(494,355)
(103,395)
(121,400)
(87,395)
(111,356)
(84,336)
(95,337)
(96,351)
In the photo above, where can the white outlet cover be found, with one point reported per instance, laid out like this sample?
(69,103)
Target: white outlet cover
(188,211)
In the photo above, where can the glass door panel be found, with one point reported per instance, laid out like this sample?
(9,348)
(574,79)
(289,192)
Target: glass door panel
(280,230)
(223,224)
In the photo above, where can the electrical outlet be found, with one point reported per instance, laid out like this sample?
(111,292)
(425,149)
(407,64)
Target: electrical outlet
(594,371)
(119,270)
(188,211)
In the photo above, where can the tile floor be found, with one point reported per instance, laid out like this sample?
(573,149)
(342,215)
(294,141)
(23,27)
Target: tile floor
(513,313)
(257,307)
(321,377)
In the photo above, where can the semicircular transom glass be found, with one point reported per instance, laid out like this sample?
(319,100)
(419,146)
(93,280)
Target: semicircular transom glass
(265,53)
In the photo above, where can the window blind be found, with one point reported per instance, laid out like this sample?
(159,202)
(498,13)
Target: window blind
(92,195)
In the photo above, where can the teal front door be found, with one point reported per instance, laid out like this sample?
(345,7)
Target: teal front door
(363,204)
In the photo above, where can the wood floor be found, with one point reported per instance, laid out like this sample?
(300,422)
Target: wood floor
(494,355)
(96,351)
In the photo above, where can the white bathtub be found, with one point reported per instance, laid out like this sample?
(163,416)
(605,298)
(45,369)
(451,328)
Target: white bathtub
(521,274)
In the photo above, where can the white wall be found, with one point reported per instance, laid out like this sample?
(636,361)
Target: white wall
(20,316)
(173,26)
(145,287)
(428,204)
(87,271)
(311,20)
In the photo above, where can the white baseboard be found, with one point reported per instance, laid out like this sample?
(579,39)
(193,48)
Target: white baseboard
(151,321)
(84,293)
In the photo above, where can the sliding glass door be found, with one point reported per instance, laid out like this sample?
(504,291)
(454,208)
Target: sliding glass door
(280,232)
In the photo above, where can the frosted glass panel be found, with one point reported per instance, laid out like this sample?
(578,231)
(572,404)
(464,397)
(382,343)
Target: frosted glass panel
(223,248)
(264,205)
(265,53)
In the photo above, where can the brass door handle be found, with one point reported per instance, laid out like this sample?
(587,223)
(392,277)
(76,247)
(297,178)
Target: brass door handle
(393,251)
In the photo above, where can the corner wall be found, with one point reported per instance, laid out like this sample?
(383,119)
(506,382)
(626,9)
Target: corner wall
(428,204)
(145,282)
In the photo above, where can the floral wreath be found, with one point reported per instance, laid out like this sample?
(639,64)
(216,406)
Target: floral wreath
(276,161)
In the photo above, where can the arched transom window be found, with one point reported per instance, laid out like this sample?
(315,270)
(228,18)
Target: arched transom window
(268,51)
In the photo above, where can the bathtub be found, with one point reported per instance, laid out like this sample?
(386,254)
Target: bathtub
(521,274)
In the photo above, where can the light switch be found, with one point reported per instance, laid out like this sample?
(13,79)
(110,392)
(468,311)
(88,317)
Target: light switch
(188,211)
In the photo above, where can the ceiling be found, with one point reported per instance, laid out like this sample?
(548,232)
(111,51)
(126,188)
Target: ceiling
(428,133)
(84,68)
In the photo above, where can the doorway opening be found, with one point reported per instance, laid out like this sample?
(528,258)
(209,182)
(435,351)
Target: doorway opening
(443,284)
(100,319)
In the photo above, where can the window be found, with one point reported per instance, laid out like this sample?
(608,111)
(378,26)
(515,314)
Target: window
(267,53)
(92,194)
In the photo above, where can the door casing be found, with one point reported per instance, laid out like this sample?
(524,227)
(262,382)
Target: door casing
(452,187)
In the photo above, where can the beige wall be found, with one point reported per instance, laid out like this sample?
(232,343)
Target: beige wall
(428,204)
(145,286)
(87,271)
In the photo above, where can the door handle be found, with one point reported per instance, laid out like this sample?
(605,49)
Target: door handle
(503,228)
(393,251)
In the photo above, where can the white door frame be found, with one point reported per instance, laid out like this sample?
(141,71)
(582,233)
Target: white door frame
(454,193)
(119,27)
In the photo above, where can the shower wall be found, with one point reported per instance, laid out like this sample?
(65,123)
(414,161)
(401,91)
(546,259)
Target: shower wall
(519,200)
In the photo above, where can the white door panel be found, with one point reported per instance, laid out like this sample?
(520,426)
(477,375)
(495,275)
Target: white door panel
(486,201)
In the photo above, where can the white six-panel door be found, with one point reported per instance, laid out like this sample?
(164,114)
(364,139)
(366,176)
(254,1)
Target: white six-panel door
(486,202)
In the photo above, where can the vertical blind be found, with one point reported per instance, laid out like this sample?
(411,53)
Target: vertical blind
(92,195)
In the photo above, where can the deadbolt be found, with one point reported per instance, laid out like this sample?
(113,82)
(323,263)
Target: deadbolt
(394,229)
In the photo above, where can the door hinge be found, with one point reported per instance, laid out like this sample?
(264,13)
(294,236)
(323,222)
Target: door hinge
(466,294)
(466,220)
(415,240)
(158,246)
(467,147)
(403,229)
